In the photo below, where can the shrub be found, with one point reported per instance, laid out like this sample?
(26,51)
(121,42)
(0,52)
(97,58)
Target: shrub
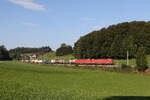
(141,60)
(125,66)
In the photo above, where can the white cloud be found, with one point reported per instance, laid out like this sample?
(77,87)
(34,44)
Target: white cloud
(30,4)
(29,24)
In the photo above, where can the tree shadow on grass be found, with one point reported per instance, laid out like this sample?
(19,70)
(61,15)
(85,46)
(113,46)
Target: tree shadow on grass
(128,98)
(41,71)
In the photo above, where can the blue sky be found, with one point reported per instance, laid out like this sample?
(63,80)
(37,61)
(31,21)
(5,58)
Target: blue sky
(35,23)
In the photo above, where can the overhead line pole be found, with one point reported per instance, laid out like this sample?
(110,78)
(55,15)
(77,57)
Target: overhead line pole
(127,57)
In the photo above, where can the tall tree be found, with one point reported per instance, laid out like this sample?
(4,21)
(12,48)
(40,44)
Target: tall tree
(64,50)
(4,54)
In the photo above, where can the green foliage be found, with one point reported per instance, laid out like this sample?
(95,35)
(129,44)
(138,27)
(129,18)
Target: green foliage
(125,66)
(64,50)
(141,60)
(114,41)
(17,52)
(15,56)
(52,55)
(4,54)
(20,81)
(132,62)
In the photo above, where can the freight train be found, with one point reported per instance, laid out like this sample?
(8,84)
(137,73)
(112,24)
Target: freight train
(75,61)
(93,61)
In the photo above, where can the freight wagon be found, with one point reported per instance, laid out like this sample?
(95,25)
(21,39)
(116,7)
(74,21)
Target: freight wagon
(75,61)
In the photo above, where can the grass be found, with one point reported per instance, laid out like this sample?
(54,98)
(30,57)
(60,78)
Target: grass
(42,82)
(132,62)
(52,55)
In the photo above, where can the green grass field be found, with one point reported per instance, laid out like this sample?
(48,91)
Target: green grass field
(20,81)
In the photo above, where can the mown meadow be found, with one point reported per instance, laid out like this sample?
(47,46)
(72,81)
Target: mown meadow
(20,81)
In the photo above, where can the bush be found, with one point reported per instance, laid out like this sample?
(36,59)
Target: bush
(141,60)
(124,66)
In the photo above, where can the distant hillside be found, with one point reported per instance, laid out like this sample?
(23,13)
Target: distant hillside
(114,41)
(23,50)
(16,53)
(52,55)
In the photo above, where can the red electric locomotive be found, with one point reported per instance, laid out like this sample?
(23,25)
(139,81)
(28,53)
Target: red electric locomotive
(94,61)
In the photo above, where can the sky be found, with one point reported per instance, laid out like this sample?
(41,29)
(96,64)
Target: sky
(36,23)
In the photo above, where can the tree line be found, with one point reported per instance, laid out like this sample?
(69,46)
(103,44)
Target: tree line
(17,52)
(114,41)
(4,54)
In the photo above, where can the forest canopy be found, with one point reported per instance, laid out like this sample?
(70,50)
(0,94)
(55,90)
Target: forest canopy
(114,41)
